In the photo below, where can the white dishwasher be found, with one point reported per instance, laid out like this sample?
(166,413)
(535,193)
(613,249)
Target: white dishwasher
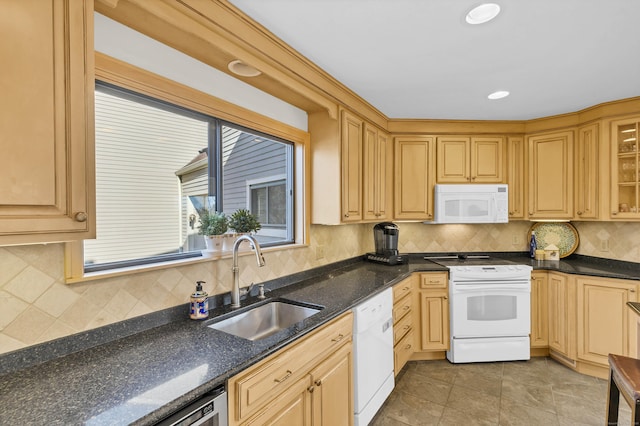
(373,355)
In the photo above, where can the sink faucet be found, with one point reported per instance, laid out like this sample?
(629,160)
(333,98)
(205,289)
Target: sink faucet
(235,291)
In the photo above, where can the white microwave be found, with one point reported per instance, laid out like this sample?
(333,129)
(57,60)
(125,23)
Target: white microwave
(471,203)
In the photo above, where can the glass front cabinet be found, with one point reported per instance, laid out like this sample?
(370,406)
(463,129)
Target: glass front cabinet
(625,168)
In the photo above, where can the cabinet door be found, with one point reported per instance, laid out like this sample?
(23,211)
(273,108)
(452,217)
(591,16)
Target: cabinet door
(453,163)
(550,184)
(487,160)
(562,315)
(539,310)
(625,165)
(586,183)
(377,174)
(292,407)
(46,122)
(332,390)
(414,178)
(351,139)
(515,177)
(434,320)
(605,322)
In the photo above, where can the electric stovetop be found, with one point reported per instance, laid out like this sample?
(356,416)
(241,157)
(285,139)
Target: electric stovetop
(468,260)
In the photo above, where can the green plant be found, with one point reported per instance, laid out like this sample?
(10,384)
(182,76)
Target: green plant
(243,221)
(212,222)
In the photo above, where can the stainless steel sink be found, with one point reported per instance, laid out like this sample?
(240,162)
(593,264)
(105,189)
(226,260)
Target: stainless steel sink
(265,320)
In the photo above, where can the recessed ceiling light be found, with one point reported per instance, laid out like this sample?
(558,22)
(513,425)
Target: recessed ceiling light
(482,13)
(498,95)
(245,70)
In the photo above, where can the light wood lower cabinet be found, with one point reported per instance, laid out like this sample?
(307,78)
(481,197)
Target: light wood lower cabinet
(433,305)
(539,310)
(403,324)
(605,323)
(308,383)
(562,314)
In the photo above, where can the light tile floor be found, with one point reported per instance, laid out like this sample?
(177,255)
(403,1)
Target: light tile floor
(536,392)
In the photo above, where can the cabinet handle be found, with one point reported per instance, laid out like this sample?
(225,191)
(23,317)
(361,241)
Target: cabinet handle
(530,213)
(632,290)
(80,217)
(310,389)
(406,327)
(473,178)
(285,377)
(579,213)
(346,215)
(408,346)
(614,213)
(445,297)
(511,213)
(337,339)
(406,307)
(406,288)
(318,382)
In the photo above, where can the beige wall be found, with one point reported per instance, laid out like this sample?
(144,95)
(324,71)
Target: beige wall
(36,305)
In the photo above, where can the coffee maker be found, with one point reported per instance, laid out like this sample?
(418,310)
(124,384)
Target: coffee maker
(385,237)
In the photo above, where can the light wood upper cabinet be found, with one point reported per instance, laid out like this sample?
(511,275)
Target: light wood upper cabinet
(414,177)
(539,310)
(586,168)
(352,176)
(516,176)
(46,122)
(625,169)
(352,139)
(605,322)
(462,159)
(378,174)
(550,176)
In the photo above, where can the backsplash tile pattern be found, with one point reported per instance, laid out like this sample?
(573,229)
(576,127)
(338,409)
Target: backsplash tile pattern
(36,305)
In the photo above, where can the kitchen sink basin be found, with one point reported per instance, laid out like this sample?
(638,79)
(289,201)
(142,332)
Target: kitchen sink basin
(265,320)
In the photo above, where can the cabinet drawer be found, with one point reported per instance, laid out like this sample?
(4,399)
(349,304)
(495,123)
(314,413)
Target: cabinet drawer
(402,308)
(259,384)
(401,328)
(401,289)
(434,280)
(402,352)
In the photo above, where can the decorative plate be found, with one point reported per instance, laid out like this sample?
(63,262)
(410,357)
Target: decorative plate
(563,234)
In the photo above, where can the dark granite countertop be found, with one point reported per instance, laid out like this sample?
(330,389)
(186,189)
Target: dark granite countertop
(146,376)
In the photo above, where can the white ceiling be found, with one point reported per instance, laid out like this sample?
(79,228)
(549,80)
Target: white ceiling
(419,59)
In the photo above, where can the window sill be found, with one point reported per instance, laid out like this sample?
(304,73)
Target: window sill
(206,257)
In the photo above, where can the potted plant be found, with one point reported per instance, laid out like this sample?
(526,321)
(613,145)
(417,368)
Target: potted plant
(242,221)
(213,226)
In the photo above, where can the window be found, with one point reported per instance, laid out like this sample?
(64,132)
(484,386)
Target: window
(158,165)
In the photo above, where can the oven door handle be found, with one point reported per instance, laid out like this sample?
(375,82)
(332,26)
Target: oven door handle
(478,288)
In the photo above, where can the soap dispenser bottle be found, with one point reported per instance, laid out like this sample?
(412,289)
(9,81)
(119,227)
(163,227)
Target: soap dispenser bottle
(533,245)
(199,303)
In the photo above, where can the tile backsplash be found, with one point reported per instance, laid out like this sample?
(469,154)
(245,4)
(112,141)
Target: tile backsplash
(36,305)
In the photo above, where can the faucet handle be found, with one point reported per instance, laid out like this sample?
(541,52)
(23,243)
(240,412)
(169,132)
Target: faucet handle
(261,291)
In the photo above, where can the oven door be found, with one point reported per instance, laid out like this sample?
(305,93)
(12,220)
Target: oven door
(490,309)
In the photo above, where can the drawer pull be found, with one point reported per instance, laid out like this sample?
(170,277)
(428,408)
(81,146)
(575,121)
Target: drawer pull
(310,389)
(285,377)
(406,327)
(408,346)
(433,281)
(406,307)
(318,382)
(337,339)
(405,288)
